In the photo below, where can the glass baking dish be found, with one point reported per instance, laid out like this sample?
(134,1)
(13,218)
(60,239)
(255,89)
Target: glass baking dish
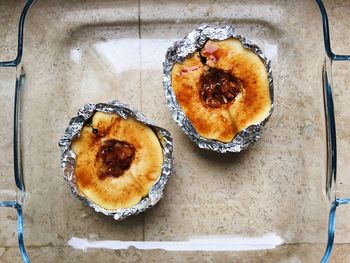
(274,202)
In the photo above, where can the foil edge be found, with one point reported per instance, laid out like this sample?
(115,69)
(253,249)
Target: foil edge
(178,52)
(68,156)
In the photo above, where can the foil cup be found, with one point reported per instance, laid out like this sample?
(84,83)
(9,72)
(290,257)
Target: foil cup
(68,156)
(184,48)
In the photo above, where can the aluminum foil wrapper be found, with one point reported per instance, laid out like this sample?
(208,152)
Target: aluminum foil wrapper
(68,156)
(184,48)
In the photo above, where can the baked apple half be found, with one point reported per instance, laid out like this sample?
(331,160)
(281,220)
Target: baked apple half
(117,160)
(222,89)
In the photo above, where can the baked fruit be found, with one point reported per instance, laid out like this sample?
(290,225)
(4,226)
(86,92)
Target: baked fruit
(117,160)
(222,89)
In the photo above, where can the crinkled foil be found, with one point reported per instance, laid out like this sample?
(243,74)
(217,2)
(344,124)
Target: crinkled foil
(186,47)
(68,156)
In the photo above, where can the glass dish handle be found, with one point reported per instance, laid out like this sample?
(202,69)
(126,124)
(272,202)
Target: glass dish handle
(17,197)
(331,131)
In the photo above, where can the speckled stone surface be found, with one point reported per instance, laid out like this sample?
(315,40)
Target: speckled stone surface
(91,51)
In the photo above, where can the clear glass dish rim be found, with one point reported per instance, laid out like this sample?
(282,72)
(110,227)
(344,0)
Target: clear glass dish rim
(329,119)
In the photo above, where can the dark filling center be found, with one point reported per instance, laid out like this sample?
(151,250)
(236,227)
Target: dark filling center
(116,157)
(219,88)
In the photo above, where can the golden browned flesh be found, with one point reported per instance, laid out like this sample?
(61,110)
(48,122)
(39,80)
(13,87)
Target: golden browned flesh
(133,183)
(221,112)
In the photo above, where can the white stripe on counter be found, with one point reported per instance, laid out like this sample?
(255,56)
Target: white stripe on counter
(199,243)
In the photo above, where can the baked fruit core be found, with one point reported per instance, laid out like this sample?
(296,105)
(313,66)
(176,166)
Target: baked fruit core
(116,157)
(219,88)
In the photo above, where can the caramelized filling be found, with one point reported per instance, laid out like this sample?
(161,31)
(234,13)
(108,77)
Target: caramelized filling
(219,88)
(116,157)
